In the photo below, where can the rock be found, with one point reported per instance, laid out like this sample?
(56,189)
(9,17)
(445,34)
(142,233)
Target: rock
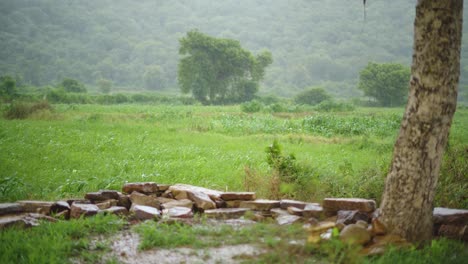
(59,206)
(454,231)
(362,224)
(116,210)
(318,229)
(163,200)
(233,204)
(10,208)
(163,187)
(355,234)
(381,243)
(22,220)
(260,204)
(178,212)
(278,211)
(143,212)
(178,203)
(450,216)
(78,200)
(141,187)
(202,197)
(295,211)
(77,210)
(41,207)
(138,198)
(63,215)
(178,190)
(377,227)
(226,213)
(350,217)
(102,195)
(287,219)
(284,204)
(107,204)
(312,210)
(340,226)
(242,196)
(124,201)
(333,205)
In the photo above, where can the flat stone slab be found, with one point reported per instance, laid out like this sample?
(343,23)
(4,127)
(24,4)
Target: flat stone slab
(454,231)
(450,216)
(180,189)
(10,208)
(102,195)
(336,204)
(178,203)
(312,210)
(22,220)
(278,212)
(42,207)
(239,196)
(143,212)
(260,204)
(59,206)
(78,210)
(116,210)
(295,211)
(351,217)
(143,199)
(288,219)
(284,204)
(178,212)
(142,187)
(107,204)
(226,213)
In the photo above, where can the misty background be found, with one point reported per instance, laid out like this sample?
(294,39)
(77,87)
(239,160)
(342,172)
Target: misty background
(134,44)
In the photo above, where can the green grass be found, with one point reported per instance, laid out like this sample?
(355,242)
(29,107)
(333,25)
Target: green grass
(57,242)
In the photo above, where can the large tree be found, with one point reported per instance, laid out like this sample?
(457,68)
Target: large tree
(219,70)
(407,203)
(386,82)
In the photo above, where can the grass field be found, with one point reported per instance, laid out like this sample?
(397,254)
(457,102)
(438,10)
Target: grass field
(74,149)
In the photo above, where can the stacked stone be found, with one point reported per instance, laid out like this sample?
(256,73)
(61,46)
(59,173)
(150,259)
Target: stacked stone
(355,218)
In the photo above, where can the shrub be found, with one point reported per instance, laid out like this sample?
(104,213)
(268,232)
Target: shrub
(312,96)
(73,86)
(253,106)
(21,110)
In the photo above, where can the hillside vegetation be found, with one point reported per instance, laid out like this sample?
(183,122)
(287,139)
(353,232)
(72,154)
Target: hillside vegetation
(130,43)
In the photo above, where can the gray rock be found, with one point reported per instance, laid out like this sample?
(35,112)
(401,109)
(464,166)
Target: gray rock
(334,205)
(102,195)
(178,203)
(288,219)
(178,212)
(10,208)
(278,212)
(42,207)
(450,216)
(116,210)
(284,204)
(312,210)
(355,234)
(78,210)
(226,213)
(260,204)
(143,212)
(350,217)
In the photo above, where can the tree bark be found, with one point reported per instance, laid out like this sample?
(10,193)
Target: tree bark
(407,202)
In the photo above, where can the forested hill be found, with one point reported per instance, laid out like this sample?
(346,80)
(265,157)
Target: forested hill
(135,43)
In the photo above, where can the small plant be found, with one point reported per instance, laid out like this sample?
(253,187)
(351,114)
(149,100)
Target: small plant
(334,106)
(253,106)
(285,166)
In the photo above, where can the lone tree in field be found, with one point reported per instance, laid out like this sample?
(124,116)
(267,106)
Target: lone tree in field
(387,83)
(407,203)
(219,70)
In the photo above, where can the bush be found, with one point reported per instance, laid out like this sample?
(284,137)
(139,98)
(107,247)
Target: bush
(252,107)
(312,96)
(21,110)
(72,86)
(333,106)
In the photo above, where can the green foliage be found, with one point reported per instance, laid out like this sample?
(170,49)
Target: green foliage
(284,166)
(72,86)
(219,70)
(154,78)
(22,110)
(388,83)
(334,106)
(56,242)
(8,88)
(104,85)
(253,106)
(312,96)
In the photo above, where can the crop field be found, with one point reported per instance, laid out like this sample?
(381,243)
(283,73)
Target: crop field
(78,148)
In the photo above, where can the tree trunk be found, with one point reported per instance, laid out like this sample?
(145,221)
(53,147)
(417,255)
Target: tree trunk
(407,202)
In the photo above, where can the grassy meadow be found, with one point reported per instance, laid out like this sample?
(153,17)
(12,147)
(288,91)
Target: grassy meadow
(73,149)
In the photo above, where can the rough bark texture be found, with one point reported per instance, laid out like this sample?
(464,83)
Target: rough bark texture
(407,203)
